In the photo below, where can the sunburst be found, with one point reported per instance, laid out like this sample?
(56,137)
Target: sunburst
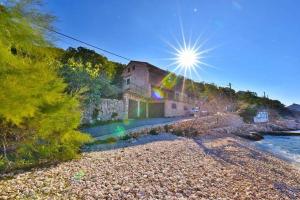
(188,57)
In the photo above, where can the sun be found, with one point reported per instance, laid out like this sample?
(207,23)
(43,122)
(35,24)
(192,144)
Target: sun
(187,58)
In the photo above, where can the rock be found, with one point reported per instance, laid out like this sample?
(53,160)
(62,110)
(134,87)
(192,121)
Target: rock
(254,136)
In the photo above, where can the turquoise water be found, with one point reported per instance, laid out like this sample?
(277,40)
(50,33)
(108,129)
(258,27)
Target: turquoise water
(287,147)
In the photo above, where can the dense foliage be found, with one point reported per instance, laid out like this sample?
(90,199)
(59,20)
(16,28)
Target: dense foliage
(38,120)
(89,74)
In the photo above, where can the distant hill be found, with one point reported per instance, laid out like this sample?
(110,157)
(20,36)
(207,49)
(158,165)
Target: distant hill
(294,107)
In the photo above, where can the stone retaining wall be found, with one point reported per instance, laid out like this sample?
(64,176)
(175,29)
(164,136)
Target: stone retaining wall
(105,110)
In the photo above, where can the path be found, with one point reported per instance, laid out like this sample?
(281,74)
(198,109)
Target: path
(108,129)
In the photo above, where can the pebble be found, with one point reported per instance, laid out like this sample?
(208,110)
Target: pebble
(211,167)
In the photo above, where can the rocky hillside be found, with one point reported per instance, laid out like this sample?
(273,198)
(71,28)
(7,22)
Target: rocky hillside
(294,107)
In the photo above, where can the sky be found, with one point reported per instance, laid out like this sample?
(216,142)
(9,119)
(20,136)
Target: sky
(254,44)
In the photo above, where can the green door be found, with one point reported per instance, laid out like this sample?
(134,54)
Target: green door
(156,110)
(143,110)
(132,109)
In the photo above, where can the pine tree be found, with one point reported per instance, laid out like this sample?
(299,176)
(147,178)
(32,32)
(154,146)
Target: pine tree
(35,113)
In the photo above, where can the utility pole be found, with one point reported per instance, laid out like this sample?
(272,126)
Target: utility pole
(230,85)
(230,97)
(264,94)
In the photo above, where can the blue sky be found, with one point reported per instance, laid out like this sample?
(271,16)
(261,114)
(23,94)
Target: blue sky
(256,42)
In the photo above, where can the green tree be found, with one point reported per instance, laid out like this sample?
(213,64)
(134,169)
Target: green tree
(38,120)
(90,75)
(93,62)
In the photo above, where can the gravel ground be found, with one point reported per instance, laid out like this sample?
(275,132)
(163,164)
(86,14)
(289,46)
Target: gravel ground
(214,167)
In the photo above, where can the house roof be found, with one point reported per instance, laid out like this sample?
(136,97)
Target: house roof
(151,67)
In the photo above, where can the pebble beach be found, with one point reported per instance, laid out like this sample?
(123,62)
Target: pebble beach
(162,166)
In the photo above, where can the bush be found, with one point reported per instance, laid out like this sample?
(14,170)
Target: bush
(167,128)
(2,163)
(248,114)
(111,140)
(114,114)
(153,132)
(95,114)
(178,132)
(125,137)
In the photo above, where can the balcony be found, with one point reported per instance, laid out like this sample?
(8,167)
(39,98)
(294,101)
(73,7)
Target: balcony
(165,94)
(136,89)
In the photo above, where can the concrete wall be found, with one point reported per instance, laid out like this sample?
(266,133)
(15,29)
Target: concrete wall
(156,78)
(104,109)
(179,111)
(138,75)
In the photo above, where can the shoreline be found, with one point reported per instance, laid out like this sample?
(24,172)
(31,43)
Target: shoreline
(282,152)
(282,133)
(164,166)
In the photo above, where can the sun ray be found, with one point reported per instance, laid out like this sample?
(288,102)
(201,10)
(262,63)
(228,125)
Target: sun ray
(188,56)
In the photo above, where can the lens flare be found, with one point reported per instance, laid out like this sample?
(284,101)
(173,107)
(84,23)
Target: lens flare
(157,94)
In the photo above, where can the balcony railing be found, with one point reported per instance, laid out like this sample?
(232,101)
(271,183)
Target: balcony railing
(139,90)
(143,91)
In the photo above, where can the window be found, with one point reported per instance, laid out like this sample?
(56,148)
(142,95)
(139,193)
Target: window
(128,81)
(128,70)
(176,95)
(174,106)
(133,67)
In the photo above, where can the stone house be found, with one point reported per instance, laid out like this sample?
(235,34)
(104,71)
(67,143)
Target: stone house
(147,93)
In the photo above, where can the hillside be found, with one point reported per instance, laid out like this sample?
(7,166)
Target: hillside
(294,107)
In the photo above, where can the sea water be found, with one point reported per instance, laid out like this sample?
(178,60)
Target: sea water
(287,147)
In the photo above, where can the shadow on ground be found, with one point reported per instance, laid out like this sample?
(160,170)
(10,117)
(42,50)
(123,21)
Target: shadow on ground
(228,151)
(142,140)
(119,127)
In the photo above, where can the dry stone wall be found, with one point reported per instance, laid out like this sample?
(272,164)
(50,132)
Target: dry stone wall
(105,110)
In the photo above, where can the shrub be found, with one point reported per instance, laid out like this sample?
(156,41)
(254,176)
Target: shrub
(178,132)
(125,137)
(114,114)
(248,114)
(95,114)
(2,163)
(167,128)
(111,140)
(153,132)
(135,135)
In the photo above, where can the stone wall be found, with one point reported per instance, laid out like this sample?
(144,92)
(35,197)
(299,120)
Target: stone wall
(105,110)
